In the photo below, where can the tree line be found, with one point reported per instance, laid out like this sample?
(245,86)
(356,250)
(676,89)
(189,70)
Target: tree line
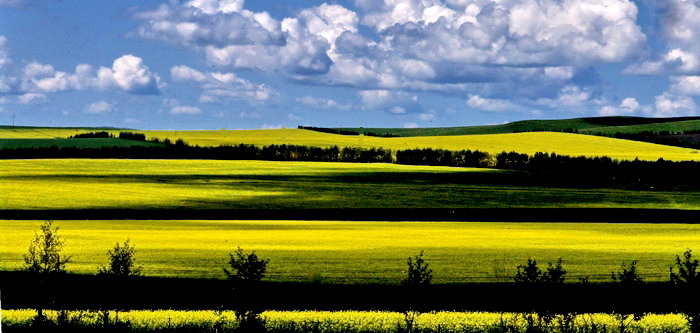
(566,170)
(108,135)
(347,132)
(685,139)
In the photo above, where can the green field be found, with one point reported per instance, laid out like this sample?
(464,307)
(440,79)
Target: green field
(196,184)
(71,143)
(528,143)
(365,252)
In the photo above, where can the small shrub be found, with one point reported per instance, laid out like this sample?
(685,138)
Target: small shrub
(528,273)
(419,272)
(44,254)
(531,273)
(246,271)
(245,267)
(628,276)
(121,261)
(687,270)
(555,273)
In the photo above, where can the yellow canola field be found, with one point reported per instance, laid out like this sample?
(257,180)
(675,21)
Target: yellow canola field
(364,252)
(529,143)
(361,321)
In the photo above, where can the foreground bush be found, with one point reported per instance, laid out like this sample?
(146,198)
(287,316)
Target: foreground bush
(339,321)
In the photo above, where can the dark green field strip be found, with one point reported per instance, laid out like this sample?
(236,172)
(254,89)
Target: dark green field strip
(405,190)
(89,292)
(72,143)
(544,215)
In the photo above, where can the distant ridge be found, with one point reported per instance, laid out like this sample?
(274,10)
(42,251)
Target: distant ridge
(590,125)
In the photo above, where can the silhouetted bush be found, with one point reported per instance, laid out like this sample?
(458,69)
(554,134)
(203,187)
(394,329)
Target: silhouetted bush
(419,273)
(628,276)
(132,136)
(530,273)
(92,135)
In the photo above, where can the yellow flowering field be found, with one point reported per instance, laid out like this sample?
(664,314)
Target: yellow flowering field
(364,252)
(361,321)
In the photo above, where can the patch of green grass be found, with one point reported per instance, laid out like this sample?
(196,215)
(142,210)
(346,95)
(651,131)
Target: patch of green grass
(72,143)
(365,252)
(194,184)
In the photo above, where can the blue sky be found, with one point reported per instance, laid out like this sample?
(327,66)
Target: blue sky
(210,64)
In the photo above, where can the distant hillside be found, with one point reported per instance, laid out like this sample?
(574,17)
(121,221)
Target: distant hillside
(606,125)
(670,126)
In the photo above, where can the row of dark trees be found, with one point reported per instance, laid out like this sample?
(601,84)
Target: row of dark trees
(686,139)
(347,132)
(567,170)
(180,150)
(108,135)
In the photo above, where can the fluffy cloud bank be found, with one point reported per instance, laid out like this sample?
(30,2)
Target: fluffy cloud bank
(221,88)
(415,44)
(128,74)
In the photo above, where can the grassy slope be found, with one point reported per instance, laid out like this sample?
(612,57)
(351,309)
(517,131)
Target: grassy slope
(153,184)
(678,126)
(64,143)
(361,252)
(582,124)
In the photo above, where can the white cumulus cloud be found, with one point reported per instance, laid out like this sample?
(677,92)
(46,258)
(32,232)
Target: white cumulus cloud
(669,105)
(128,73)
(99,107)
(628,106)
(416,44)
(187,110)
(686,85)
(31,98)
(323,103)
(222,88)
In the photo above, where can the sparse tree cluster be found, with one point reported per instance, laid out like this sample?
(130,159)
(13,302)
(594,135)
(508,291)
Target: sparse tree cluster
(531,273)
